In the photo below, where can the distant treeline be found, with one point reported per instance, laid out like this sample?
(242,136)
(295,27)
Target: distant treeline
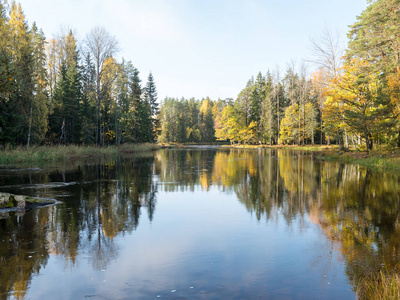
(352,99)
(59,91)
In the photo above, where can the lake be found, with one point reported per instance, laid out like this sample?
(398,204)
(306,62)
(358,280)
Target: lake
(201,223)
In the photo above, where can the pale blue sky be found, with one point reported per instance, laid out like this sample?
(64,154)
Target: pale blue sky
(205,47)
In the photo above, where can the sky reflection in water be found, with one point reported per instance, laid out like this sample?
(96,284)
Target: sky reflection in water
(197,224)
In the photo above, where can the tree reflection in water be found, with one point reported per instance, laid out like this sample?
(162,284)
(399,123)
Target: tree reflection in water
(357,209)
(103,201)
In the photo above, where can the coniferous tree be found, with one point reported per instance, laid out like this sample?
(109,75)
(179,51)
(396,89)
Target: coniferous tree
(150,96)
(65,121)
(243,102)
(88,105)
(268,113)
(256,97)
(135,98)
(146,123)
(38,111)
(9,118)
(21,51)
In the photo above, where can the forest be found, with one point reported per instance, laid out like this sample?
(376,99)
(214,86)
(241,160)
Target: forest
(53,91)
(351,99)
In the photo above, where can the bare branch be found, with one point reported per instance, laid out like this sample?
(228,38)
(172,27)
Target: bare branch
(328,51)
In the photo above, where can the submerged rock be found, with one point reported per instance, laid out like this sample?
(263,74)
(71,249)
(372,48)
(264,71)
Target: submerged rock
(8,200)
(10,204)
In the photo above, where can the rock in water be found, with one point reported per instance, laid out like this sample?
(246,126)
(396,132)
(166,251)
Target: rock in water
(20,202)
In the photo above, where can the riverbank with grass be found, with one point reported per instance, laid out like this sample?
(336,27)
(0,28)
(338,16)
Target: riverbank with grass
(383,158)
(379,286)
(44,154)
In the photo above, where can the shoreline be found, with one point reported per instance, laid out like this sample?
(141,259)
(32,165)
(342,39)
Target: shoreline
(384,159)
(50,154)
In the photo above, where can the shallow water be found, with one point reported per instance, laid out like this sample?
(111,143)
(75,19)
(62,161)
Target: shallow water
(199,224)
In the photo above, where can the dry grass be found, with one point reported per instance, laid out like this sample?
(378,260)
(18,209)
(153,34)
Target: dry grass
(46,154)
(381,286)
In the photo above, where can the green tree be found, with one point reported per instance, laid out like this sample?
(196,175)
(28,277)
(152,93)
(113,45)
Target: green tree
(88,103)
(256,97)
(21,51)
(135,99)
(269,113)
(38,111)
(150,96)
(243,102)
(65,120)
(376,36)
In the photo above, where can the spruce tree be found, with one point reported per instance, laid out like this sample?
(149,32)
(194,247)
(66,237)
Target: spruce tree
(150,94)
(65,121)
(38,114)
(135,97)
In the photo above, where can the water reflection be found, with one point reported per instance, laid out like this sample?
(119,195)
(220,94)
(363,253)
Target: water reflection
(358,210)
(99,201)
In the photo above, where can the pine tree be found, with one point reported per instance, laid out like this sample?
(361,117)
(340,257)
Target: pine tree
(150,96)
(243,102)
(10,120)
(376,36)
(268,113)
(65,121)
(256,97)
(22,59)
(38,115)
(135,98)
(88,105)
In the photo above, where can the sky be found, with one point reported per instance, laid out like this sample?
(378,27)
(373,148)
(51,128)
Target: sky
(201,48)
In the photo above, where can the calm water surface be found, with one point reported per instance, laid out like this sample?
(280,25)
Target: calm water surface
(199,224)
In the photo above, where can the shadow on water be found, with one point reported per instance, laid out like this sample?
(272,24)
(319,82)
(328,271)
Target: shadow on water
(357,210)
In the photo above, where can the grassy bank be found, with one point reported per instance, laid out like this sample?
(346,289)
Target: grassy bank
(381,286)
(291,147)
(45,154)
(383,158)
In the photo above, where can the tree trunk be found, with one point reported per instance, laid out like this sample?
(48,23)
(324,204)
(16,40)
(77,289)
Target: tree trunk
(277,113)
(30,127)
(98,141)
(398,140)
(312,135)
(367,140)
(322,137)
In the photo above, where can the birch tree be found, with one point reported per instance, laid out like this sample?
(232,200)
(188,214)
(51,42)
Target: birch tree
(100,46)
